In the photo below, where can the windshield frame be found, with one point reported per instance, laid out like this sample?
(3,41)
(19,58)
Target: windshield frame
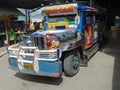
(61,18)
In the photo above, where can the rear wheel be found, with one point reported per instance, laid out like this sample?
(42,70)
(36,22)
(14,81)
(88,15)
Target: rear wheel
(71,63)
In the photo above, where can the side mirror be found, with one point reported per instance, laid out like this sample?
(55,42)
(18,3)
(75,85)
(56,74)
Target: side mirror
(77,19)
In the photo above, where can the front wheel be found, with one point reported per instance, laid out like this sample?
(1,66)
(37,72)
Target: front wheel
(71,63)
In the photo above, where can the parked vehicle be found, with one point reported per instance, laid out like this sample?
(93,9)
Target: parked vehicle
(67,42)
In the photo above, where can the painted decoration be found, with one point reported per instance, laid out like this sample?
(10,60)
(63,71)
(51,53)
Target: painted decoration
(52,41)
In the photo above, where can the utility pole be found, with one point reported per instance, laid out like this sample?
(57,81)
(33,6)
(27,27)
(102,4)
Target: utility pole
(91,3)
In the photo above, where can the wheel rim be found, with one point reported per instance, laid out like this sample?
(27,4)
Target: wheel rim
(75,61)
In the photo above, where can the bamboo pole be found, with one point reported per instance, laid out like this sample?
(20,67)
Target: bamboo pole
(6,30)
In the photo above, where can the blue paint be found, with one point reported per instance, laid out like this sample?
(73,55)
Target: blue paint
(82,8)
(46,66)
(46,73)
(13,62)
(45,24)
(80,25)
(36,35)
(58,53)
(27,71)
(60,27)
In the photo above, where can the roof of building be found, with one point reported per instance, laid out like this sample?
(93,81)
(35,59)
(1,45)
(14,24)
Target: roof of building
(10,11)
(30,4)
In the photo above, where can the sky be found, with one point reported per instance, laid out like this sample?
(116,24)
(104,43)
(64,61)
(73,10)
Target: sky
(34,16)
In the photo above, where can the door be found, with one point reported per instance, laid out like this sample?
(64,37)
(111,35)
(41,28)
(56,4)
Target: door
(88,29)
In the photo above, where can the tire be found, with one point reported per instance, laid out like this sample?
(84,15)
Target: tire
(71,63)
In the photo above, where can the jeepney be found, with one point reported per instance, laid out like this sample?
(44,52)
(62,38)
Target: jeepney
(67,42)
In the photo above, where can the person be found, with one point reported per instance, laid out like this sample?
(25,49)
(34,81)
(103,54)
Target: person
(6,44)
(88,36)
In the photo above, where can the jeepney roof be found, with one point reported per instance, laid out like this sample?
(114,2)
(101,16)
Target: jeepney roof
(66,9)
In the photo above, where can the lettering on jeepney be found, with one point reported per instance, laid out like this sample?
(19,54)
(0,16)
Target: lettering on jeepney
(60,9)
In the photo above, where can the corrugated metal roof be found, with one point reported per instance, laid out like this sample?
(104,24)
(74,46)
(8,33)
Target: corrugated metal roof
(30,4)
(10,11)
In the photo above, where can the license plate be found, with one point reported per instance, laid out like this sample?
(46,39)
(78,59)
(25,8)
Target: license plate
(28,66)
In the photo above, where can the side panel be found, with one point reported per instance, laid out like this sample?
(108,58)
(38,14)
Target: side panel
(49,68)
(89,33)
(13,63)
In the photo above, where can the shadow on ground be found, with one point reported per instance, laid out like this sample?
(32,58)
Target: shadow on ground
(113,49)
(116,74)
(39,79)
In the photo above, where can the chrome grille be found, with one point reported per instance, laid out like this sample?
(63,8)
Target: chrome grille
(38,42)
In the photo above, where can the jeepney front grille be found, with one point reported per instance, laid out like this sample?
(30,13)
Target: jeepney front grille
(38,42)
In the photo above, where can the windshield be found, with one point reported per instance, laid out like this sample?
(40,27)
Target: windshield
(61,18)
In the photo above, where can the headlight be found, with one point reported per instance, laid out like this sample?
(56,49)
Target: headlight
(27,41)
